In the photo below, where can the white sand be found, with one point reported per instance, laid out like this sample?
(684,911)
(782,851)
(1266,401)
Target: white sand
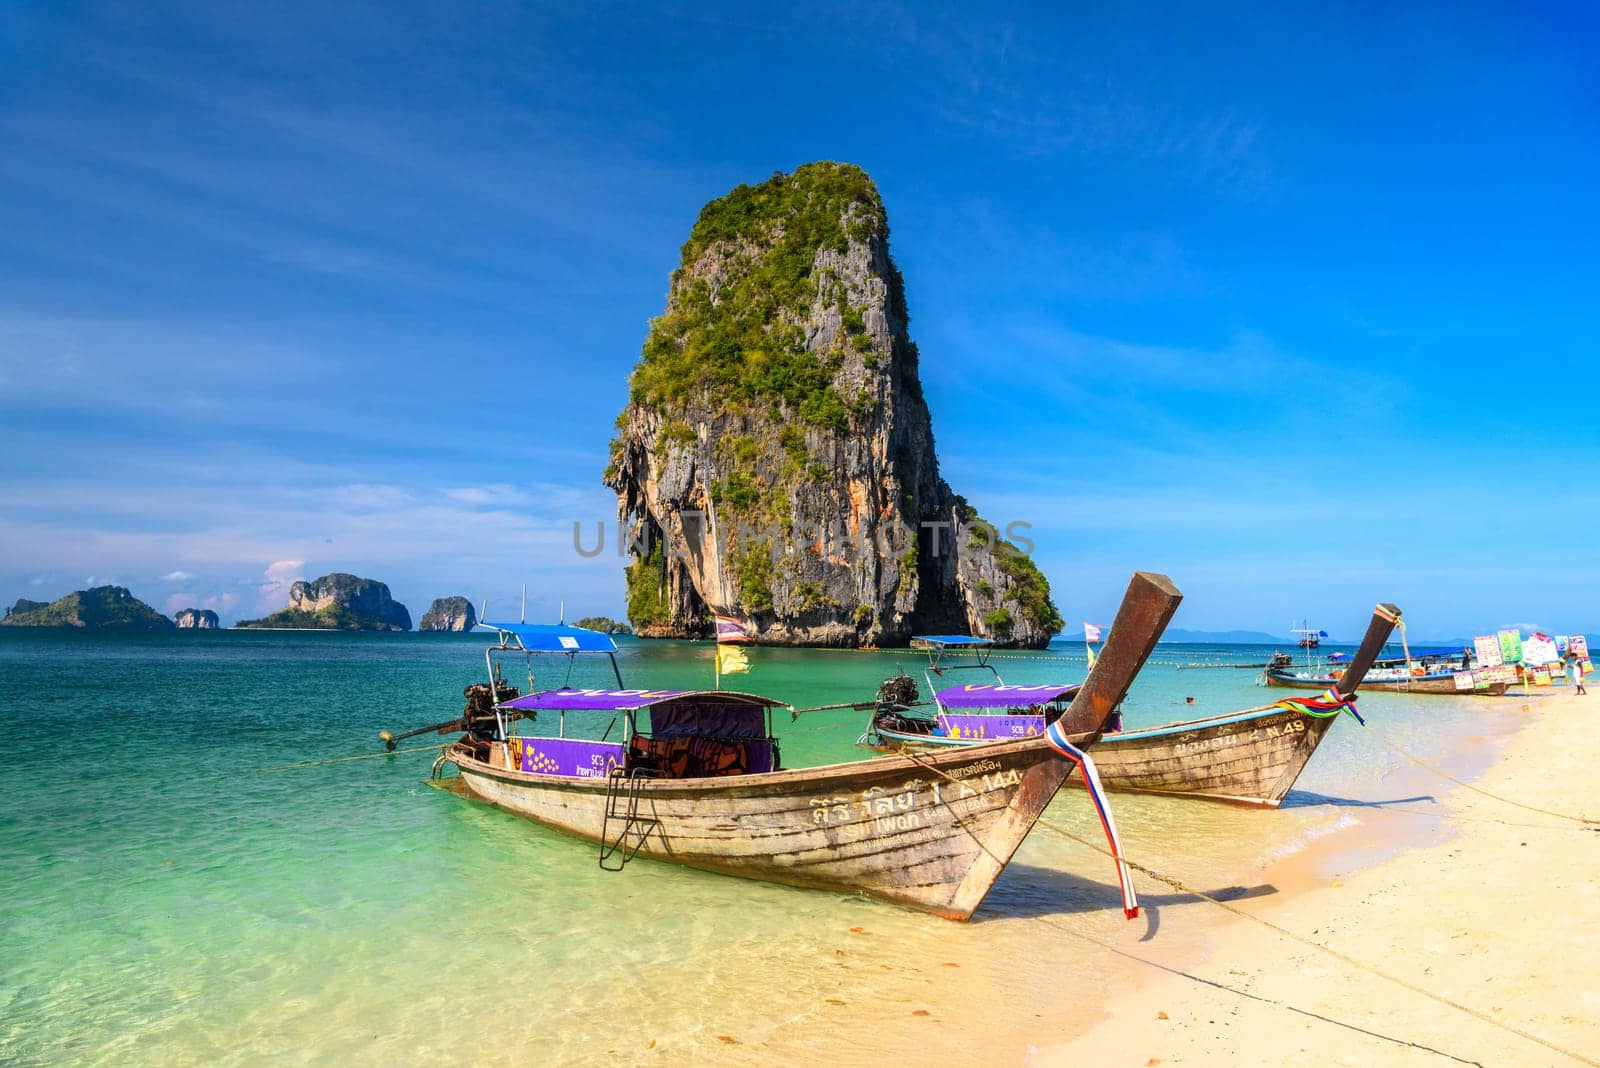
(1504,918)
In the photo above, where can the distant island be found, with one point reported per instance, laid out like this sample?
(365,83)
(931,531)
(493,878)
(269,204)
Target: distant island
(338,601)
(604,624)
(449,613)
(196,619)
(99,608)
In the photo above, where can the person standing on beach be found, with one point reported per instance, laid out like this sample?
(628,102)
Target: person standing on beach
(1575,671)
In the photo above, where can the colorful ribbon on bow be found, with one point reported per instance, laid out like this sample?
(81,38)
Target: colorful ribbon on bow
(1091,780)
(1327,706)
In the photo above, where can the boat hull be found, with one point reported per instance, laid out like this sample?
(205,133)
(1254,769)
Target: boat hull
(1251,757)
(931,832)
(1432,684)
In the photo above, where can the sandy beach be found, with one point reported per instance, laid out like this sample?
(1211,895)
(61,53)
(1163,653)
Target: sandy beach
(1453,893)
(1502,918)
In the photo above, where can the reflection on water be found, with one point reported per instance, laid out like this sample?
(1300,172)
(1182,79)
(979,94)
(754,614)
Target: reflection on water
(164,900)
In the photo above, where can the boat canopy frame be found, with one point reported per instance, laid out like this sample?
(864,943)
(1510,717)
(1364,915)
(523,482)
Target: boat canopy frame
(941,646)
(534,639)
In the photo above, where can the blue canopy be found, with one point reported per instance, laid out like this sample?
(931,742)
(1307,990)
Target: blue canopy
(942,640)
(554,637)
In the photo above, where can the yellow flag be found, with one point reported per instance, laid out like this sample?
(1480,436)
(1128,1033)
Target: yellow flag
(731,660)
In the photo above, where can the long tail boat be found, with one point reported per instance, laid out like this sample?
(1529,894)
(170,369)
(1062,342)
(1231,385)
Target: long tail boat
(696,780)
(1253,756)
(1480,682)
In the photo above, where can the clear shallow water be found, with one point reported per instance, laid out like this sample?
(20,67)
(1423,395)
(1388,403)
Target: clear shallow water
(163,900)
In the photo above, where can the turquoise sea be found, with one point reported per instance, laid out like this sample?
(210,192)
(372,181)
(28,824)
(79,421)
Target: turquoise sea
(162,899)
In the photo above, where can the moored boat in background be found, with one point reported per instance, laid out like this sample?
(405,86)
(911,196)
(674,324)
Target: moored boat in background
(1253,756)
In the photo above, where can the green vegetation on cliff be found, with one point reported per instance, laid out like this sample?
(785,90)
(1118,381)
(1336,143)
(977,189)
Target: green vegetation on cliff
(1029,588)
(647,596)
(102,607)
(334,618)
(603,624)
(743,340)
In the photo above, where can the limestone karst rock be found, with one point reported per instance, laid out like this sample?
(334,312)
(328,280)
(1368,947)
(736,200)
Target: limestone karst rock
(196,619)
(338,601)
(776,458)
(449,613)
(99,608)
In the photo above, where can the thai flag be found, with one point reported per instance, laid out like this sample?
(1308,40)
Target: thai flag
(1091,633)
(731,630)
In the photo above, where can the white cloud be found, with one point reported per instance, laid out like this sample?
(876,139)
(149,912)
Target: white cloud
(176,576)
(279,576)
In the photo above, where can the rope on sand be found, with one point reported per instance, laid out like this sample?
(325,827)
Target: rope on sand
(362,756)
(1419,762)
(1183,888)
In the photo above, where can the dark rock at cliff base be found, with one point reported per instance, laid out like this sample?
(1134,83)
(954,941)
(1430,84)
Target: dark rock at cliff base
(776,456)
(449,613)
(196,619)
(337,602)
(99,608)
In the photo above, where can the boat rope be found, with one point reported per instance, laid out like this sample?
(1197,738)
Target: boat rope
(1400,625)
(1057,740)
(1184,888)
(1253,996)
(1419,762)
(360,756)
(1327,706)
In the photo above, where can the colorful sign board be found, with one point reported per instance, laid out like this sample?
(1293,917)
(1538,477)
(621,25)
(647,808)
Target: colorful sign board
(1539,650)
(1579,646)
(1488,649)
(1511,646)
(566,756)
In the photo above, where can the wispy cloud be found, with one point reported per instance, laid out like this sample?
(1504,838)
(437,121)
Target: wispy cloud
(278,577)
(176,576)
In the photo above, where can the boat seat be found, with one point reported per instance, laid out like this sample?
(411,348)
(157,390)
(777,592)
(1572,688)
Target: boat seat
(697,757)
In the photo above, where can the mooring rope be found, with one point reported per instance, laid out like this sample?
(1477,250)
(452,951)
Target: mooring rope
(1253,996)
(1419,762)
(361,756)
(1184,888)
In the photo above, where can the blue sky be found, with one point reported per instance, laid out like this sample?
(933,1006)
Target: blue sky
(1299,308)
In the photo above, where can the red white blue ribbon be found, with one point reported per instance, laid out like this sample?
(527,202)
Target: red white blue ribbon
(1091,780)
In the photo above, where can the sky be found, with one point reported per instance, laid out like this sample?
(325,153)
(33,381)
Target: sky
(1298,308)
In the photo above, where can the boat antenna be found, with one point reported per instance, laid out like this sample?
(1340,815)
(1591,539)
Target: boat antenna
(563,619)
(524,602)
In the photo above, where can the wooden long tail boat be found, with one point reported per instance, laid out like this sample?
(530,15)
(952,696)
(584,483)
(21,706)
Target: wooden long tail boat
(930,832)
(1253,756)
(1250,757)
(1435,682)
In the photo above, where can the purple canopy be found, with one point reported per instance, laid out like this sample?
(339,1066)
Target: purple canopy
(603,700)
(1002,696)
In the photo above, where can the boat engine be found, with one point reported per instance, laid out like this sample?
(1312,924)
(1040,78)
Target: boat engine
(899,690)
(478,716)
